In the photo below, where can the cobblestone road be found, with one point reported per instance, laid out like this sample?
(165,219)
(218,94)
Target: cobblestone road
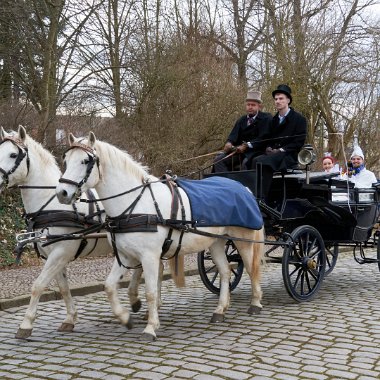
(335,336)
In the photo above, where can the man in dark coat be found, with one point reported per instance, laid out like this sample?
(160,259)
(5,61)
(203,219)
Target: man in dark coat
(249,127)
(287,136)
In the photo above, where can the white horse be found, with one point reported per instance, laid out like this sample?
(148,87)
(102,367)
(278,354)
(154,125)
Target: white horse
(25,162)
(116,173)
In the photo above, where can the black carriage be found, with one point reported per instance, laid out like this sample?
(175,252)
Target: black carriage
(309,216)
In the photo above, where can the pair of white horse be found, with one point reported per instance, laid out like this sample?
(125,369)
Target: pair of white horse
(115,173)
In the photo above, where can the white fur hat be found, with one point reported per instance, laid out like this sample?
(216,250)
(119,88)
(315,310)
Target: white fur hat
(357,152)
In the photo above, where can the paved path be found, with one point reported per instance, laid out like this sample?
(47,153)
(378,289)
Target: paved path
(335,336)
(85,276)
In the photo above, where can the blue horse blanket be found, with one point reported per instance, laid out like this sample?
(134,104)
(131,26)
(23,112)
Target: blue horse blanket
(219,201)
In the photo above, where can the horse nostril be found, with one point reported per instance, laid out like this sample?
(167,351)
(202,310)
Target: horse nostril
(64,193)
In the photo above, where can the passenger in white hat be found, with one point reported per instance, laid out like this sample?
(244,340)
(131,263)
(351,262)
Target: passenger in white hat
(358,174)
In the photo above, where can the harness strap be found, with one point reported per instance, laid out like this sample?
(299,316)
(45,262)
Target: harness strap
(127,217)
(173,212)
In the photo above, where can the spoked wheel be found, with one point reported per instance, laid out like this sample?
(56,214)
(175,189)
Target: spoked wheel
(331,258)
(303,263)
(209,272)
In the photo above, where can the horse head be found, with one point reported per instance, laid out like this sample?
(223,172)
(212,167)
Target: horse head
(14,158)
(82,170)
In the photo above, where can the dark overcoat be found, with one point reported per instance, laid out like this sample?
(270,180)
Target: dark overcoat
(290,135)
(242,132)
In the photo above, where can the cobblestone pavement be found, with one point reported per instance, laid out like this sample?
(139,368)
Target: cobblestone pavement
(335,336)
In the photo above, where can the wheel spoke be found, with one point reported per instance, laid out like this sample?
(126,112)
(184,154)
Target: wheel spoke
(316,253)
(298,278)
(294,271)
(307,250)
(311,247)
(308,281)
(214,277)
(302,282)
(301,251)
(328,262)
(314,273)
(211,269)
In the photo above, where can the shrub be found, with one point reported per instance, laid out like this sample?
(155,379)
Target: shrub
(10,222)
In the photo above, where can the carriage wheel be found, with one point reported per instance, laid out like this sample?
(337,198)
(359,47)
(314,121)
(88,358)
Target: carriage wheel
(331,258)
(303,263)
(209,273)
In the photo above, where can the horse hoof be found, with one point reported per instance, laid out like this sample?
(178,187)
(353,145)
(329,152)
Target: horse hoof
(216,318)
(23,333)
(136,306)
(129,324)
(148,337)
(254,310)
(66,327)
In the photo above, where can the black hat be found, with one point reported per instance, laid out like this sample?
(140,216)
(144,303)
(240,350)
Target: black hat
(283,89)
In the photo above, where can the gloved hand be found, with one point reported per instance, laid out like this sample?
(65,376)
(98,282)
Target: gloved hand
(228,147)
(242,148)
(269,151)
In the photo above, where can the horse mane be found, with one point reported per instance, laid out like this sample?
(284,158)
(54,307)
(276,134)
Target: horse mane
(117,157)
(43,154)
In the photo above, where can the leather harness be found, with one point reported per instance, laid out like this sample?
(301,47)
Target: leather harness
(128,222)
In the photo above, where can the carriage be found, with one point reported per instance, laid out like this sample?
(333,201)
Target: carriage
(308,215)
(308,218)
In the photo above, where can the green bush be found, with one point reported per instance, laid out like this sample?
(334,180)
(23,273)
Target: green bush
(11,222)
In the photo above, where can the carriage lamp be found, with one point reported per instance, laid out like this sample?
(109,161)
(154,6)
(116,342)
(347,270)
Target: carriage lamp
(306,157)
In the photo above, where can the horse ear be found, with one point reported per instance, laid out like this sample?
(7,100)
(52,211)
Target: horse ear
(71,139)
(91,139)
(22,133)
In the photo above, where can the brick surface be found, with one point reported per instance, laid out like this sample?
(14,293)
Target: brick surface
(334,336)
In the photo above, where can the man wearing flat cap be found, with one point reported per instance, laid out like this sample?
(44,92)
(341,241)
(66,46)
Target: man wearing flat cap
(287,136)
(250,127)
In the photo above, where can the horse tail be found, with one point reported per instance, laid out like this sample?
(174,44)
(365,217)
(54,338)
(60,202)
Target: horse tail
(177,270)
(258,254)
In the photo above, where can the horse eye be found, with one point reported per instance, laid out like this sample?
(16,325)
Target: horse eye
(85,162)
(13,155)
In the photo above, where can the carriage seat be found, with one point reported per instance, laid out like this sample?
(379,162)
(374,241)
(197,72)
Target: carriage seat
(292,170)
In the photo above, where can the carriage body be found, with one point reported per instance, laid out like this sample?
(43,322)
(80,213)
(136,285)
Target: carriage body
(323,208)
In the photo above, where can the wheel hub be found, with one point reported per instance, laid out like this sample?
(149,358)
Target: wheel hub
(309,263)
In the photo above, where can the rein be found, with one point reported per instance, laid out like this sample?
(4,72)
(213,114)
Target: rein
(231,154)
(120,223)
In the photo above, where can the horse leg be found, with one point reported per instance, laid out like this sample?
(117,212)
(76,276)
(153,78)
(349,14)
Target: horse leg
(161,276)
(151,265)
(71,316)
(55,263)
(110,287)
(221,262)
(133,290)
(252,255)
(159,298)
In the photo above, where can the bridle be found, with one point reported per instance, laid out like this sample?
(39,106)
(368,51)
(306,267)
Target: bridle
(92,160)
(22,153)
